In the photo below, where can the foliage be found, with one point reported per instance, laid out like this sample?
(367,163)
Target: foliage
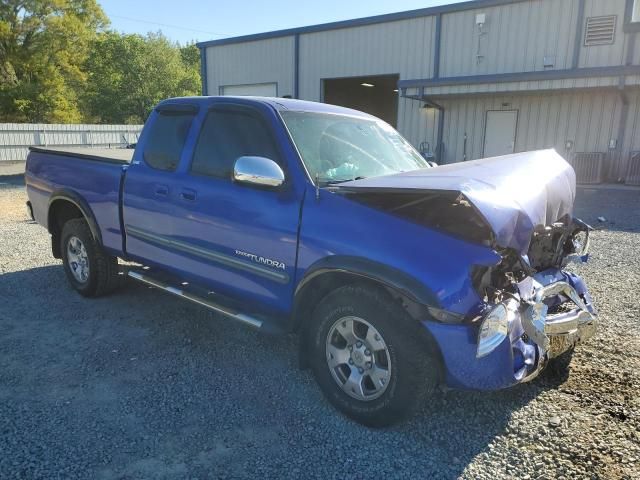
(43,44)
(129,74)
(58,63)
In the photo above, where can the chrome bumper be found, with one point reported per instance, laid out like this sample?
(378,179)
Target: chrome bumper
(554,329)
(557,332)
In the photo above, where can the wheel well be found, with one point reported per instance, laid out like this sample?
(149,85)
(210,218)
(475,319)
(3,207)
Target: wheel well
(60,212)
(317,288)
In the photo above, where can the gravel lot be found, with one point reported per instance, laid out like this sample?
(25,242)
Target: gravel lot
(142,385)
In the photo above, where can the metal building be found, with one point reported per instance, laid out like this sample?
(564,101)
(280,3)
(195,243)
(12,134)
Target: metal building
(467,80)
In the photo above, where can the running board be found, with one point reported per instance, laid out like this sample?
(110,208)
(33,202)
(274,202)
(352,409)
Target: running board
(228,312)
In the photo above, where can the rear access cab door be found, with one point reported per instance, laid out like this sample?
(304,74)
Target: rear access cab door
(184,213)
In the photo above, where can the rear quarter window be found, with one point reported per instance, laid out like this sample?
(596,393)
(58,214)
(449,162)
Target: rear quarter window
(166,139)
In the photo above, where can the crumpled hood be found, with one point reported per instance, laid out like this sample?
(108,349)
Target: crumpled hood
(513,193)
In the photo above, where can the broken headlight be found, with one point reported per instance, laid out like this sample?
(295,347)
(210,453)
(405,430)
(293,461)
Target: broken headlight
(493,330)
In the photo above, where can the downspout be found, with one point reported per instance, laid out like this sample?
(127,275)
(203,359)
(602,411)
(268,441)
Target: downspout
(622,126)
(439,145)
(624,113)
(577,44)
(439,151)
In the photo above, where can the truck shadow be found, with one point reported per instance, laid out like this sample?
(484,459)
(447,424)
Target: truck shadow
(12,180)
(49,327)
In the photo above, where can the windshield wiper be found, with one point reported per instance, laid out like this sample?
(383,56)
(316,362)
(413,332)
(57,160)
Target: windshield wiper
(326,182)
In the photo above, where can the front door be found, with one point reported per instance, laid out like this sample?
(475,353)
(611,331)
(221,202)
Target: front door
(238,239)
(500,132)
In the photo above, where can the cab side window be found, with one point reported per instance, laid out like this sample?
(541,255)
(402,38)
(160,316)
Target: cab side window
(167,138)
(230,132)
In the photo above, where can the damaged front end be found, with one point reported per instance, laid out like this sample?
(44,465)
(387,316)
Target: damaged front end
(543,310)
(520,206)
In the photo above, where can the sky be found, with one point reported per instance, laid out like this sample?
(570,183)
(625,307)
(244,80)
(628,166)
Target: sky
(186,21)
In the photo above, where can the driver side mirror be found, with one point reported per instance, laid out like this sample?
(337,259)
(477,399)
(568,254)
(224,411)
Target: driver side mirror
(259,171)
(432,164)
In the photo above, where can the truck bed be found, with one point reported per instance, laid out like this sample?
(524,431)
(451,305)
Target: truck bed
(89,176)
(110,155)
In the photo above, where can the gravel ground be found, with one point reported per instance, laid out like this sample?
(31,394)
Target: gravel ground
(141,385)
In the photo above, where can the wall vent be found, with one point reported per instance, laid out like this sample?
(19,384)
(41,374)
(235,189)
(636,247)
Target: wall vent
(633,173)
(589,167)
(600,31)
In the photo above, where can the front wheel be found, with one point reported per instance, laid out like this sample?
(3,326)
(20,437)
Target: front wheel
(371,360)
(90,270)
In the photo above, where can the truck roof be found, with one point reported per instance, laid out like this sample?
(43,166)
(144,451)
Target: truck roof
(279,104)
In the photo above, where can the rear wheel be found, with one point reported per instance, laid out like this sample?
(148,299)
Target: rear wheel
(371,360)
(89,269)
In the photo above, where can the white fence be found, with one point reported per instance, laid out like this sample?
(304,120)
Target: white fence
(16,138)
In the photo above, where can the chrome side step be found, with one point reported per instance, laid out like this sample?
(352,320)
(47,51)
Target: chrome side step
(241,317)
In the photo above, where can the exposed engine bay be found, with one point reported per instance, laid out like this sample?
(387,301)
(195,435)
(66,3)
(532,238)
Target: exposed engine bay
(554,246)
(521,207)
(528,298)
(450,212)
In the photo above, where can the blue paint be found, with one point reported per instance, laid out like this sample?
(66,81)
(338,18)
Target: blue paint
(307,229)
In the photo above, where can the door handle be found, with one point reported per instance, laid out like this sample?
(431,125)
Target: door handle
(188,194)
(161,190)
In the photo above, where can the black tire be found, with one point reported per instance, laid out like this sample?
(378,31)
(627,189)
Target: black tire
(102,275)
(414,364)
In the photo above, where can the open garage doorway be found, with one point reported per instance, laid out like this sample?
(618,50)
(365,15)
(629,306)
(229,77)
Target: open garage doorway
(377,95)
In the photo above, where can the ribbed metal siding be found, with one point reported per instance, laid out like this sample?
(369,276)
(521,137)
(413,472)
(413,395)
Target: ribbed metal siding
(518,37)
(605,55)
(261,61)
(15,138)
(404,47)
(417,124)
(589,167)
(586,118)
(633,172)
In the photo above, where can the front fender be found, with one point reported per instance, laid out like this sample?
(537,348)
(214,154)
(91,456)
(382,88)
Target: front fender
(370,270)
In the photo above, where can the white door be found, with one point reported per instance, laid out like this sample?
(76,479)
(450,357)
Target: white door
(252,90)
(500,132)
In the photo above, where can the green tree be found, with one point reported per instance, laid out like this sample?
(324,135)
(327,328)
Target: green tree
(129,74)
(43,45)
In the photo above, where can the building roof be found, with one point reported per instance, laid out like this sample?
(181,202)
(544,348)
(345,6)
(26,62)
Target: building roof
(389,17)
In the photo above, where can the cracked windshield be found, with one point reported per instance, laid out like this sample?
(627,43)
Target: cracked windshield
(338,148)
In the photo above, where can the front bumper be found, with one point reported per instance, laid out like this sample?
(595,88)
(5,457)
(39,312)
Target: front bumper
(552,313)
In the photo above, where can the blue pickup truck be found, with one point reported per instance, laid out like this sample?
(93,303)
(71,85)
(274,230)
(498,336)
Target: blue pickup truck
(293,216)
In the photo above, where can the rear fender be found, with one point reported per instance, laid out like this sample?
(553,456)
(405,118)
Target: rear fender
(69,197)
